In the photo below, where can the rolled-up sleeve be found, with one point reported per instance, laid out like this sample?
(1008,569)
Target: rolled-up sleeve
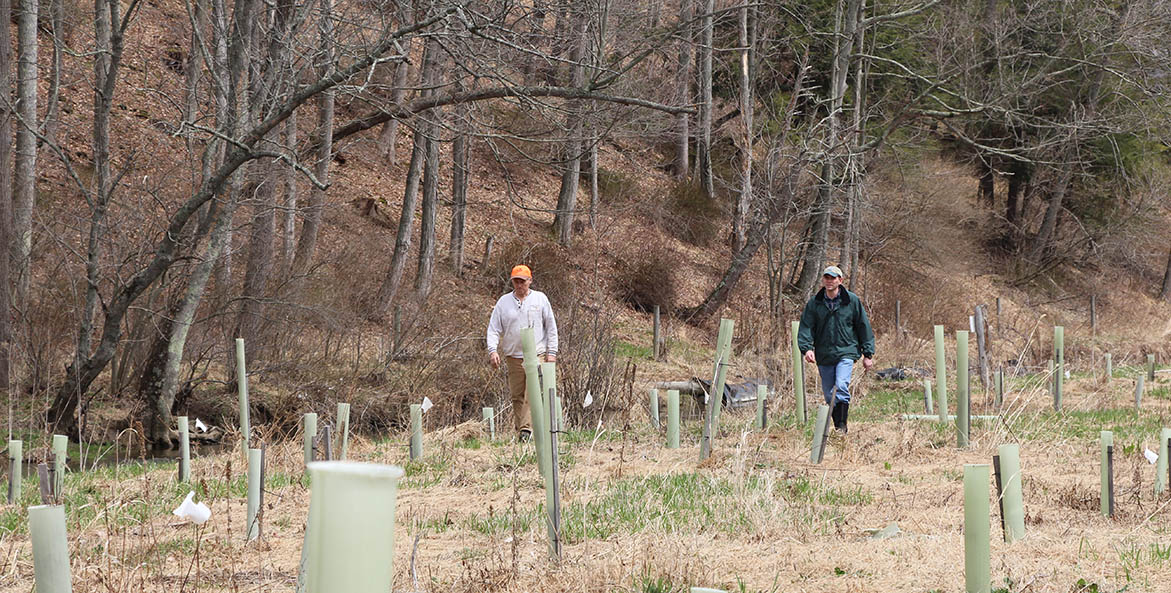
(495,328)
(550,324)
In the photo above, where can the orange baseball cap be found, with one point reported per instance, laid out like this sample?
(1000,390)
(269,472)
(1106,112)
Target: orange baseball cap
(522,272)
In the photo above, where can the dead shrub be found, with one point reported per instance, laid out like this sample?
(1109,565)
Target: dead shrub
(552,272)
(694,217)
(649,280)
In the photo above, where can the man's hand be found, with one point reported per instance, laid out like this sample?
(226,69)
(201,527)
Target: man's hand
(494,360)
(867,362)
(550,358)
(810,358)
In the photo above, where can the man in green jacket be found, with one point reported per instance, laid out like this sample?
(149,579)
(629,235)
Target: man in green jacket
(834,333)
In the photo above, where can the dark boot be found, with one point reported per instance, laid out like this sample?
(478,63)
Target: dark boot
(843,415)
(836,414)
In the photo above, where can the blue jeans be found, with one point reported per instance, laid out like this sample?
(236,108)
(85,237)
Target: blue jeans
(836,378)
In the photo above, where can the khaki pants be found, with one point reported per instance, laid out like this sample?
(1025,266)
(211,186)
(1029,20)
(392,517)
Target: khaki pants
(521,417)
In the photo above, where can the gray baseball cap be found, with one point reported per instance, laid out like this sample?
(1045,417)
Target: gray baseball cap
(832,271)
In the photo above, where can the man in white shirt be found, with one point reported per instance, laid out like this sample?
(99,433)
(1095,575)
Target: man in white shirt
(521,308)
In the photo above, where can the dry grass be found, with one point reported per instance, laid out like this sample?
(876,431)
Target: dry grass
(639,516)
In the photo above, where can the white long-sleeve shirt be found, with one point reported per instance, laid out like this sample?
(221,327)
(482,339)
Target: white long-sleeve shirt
(510,315)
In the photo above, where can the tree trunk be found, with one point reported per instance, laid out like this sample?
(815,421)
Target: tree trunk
(311,225)
(258,266)
(53,102)
(703,151)
(24,179)
(388,292)
(6,238)
(194,66)
(388,137)
(1016,181)
(426,268)
(161,400)
(744,200)
(460,162)
(289,208)
(1043,244)
(987,189)
(828,190)
(570,177)
(683,79)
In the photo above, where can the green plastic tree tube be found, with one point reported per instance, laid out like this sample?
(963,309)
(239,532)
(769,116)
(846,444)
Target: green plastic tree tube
(1012,492)
(761,397)
(15,470)
(308,432)
(963,403)
(653,407)
(490,421)
(1059,357)
(343,429)
(255,471)
(1151,367)
(416,431)
(350,538)
(1106,440)
(242,386)
(928,403)
(711,427)
(552,501)
(1138,393)
(815,452)
(672,418)
(60,448)
(798,375)
(977,529)
(1160,465)
(184,450)
(1109,366)
(940,375)
(536,402)
(46,527)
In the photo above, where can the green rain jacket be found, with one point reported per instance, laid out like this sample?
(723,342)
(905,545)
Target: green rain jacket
(834,335)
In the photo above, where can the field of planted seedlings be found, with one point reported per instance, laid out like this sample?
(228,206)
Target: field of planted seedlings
(1041,480)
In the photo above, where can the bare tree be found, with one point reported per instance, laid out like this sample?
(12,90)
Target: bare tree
(6,238)
(703,150)
(744,199)
(460,173)
(683,80)
(571,174)
(24,180)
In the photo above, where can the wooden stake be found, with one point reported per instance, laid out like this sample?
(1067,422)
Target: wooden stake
(45,483)
(982,348)
(999,492)
(1093,315)
(655,336)
(1106,441)
(343,429)
(326,440)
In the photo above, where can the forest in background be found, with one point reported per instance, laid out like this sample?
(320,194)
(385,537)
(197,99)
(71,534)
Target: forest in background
(359,176)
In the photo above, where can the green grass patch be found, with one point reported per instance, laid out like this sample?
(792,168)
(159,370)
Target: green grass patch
(1086,424)
(627,350)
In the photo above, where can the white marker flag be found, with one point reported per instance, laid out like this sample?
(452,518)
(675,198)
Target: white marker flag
(427,403)
(589,399)
(200,426)
(1151,456)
